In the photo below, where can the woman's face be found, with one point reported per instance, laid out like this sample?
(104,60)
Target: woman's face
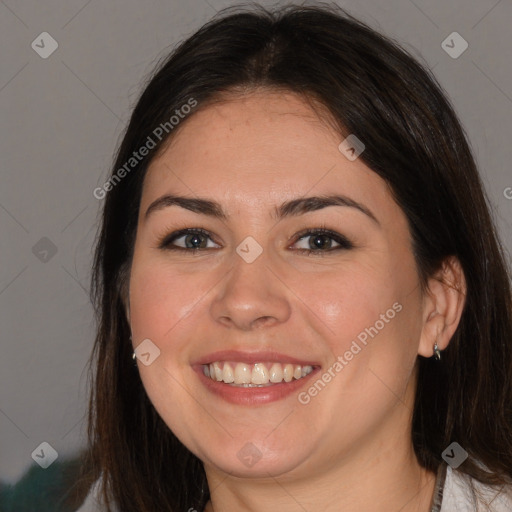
(244,293)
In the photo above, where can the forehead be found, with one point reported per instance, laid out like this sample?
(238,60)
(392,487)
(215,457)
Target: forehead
(258,150)
(259,125)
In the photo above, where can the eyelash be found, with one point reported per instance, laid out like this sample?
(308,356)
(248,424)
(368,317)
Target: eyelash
(344,244)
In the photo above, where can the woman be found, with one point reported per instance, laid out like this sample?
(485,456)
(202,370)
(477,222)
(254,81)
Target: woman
(297,251)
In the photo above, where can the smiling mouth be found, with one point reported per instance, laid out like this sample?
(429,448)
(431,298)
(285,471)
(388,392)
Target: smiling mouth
(262,374)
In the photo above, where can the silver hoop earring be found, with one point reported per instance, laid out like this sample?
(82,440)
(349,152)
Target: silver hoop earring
(437,352)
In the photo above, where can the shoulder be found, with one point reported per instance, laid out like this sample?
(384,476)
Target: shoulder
(463,493)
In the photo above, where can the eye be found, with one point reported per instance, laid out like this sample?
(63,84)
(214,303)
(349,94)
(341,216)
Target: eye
(321,241)
(192,239)
(318,241)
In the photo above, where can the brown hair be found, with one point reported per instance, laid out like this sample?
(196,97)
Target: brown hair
(414,141)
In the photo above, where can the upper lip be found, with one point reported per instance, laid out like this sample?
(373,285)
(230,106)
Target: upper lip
(252,358)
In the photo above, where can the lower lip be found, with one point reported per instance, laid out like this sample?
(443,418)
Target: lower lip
(252,396)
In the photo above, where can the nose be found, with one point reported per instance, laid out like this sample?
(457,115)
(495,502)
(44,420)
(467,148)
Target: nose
(251,296)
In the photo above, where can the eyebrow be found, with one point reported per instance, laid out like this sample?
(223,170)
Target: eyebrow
(290,208)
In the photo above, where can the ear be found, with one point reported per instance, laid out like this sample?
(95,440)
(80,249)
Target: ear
(442,306)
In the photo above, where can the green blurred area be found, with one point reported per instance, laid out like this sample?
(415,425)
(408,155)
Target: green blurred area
(44,490)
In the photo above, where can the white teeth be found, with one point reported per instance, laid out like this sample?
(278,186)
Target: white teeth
(218,371)
(276,373)
(227,374)
(243,374)
(306,370)
(288,372)
(259,374)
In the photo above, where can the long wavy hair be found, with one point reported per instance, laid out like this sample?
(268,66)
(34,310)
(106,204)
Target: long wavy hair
(368,85)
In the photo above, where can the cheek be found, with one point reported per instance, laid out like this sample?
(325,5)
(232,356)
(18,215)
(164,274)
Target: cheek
(161,298)
(347,301)
(370,317)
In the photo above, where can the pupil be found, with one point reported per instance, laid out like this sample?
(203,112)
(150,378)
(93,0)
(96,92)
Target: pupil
(194,239)
(321,241)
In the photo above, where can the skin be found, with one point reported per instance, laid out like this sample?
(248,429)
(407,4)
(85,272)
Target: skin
(351,443)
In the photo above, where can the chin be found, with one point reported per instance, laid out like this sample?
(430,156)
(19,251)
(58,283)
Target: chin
(255,460)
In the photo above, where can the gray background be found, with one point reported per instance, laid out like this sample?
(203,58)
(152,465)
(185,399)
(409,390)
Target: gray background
(62,118)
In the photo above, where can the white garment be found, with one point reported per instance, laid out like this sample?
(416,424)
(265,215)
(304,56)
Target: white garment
(91,501)
(457,496)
